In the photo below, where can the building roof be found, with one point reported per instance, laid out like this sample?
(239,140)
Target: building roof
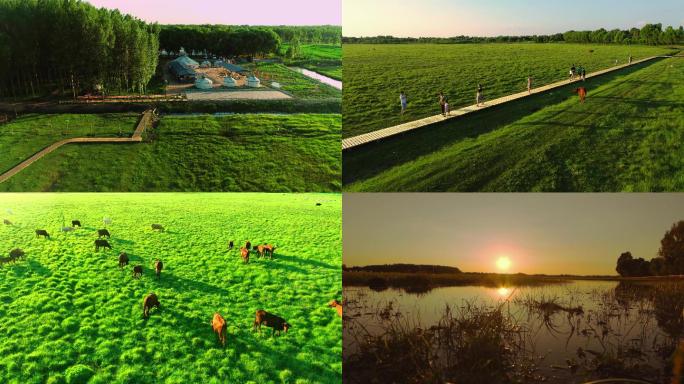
(233,67)
(186,61)
(179,69)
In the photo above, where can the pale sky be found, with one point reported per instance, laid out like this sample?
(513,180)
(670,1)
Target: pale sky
(548,233)
(263,12)
(444,18)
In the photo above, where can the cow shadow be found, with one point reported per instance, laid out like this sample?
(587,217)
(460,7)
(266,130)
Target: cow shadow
(171,281)
(301,260)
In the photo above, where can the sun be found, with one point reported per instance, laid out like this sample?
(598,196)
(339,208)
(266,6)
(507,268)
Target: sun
(503,263)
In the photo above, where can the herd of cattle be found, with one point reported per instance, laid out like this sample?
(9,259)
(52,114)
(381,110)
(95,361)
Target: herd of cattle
(150,301)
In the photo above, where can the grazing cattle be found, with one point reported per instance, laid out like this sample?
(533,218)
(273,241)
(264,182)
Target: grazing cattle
(230,245)
(123,260)
(157,227)
(248,245)
(269,249)
(42,232)
(337,305)
(102,244)
(158,266)
(150,301)
(277,323)
(318,204)
(244,253)
(137,271)
(261,249)
(75,223)
(218,323)
(17,253)
(582,92)
(7,222)
(103,232)
(67,229)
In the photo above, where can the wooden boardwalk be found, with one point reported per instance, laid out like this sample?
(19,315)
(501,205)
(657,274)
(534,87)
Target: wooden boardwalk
(144,122)
(366,138)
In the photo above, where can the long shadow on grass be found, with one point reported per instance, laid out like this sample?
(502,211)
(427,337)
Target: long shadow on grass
(301,260)
(374,158)
(169,280)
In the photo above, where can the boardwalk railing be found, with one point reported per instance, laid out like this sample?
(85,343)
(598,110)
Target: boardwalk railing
(370,137)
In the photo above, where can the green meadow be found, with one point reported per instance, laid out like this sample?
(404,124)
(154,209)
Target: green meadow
(374,74)
(242,152)
(627,137)
(297,84)
(70,315)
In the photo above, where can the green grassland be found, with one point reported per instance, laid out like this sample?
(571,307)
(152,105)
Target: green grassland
(31,133)
(69,315)
(297,84)
(251,152)
(628,136)
(375,74)
(317,51)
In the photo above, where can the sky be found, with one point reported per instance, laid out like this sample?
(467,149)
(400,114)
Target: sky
(263,12)
(550,233)
(445,18)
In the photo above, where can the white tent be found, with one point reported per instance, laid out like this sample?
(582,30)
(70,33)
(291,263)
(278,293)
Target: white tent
(229,82)
(203,83)
(253,82)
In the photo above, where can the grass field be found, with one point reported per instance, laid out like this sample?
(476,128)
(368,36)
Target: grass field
(627,137)
(252,152)
(317,51)
(29,134)
(69,314)
(297,84)
(375,74)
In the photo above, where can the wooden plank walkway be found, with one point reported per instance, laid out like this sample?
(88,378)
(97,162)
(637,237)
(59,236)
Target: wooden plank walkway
(370,137)
(144,122)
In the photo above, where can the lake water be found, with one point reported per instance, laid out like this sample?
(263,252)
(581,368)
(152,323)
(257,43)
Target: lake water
(639,323)
(317,76)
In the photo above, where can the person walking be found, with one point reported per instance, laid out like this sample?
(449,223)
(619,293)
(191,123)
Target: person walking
(629,59)
(442,102)
(446,106)
(403,101)
(479,98)
(529,84)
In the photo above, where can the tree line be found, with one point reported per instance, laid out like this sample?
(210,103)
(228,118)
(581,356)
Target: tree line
(58,46)
(670,259)
(649,34)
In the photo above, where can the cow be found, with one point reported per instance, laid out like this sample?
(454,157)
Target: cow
(218,323)
(102,233)
(42,232)
(248,245)
(150,301)
(337,305)
(75,223)
(582,92)
(157,227)
(261,249)
(244,253)
(277,323)
(269,249)
(137,271)
(7,222)
(158,266)
(102,244)
(17,253)
(230,245)
(123,260)
(318,204)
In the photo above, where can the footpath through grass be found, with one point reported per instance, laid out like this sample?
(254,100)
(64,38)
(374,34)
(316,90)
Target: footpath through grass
(252,152)
(69,314)
(29,134)
(374,74)
(627,137)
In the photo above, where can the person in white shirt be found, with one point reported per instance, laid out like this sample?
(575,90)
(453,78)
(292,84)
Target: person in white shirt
(404,102)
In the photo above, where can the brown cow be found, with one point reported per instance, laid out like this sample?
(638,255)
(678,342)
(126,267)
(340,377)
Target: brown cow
(277,323)
(244,253)
(123,259)
(582,92)
(158,266)
(150,301)
(269,248)
(337,305)
(261,249)
(218,323)
(137,271)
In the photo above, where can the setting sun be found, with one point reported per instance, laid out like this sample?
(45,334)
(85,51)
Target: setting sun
(503,263)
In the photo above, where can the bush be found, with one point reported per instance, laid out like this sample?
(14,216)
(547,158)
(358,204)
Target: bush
(78,374)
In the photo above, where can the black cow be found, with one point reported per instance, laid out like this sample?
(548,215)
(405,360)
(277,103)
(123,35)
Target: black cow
(42,232)
(150,301)
(277,323)
(103,232)
(123,259)
(75,223)
(102,244)
(157,227)
(137,271)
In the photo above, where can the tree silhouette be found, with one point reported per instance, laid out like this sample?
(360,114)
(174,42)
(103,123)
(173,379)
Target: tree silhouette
(672,248)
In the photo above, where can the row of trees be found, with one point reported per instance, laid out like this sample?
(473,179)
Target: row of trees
(670,260)
(59,45)
(649,34)
(320,34)
(223,40)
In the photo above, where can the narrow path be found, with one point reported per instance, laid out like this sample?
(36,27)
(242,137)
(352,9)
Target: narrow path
(369,137)
(145,120)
